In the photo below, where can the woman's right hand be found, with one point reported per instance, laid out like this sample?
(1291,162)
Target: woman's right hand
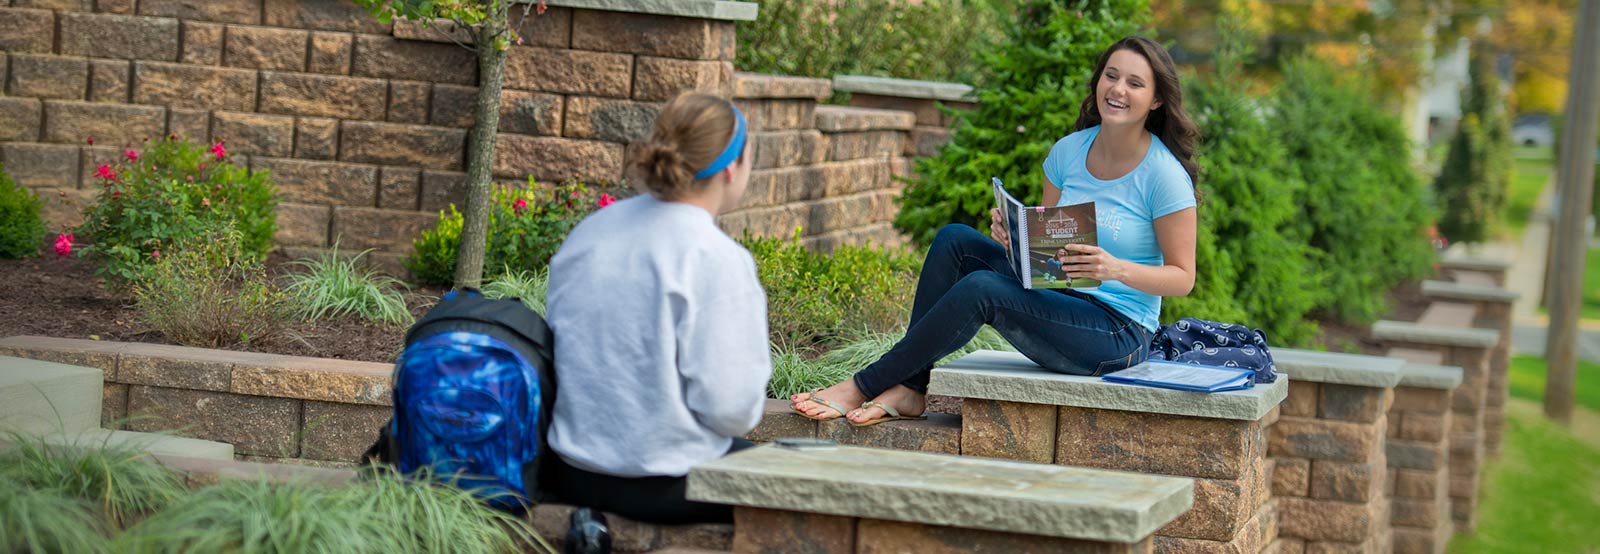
(997,228)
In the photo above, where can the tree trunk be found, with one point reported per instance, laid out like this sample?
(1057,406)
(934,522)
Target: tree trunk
(480,152)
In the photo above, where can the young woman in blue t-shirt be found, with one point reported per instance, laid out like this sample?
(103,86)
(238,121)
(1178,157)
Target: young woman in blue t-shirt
(1132,154)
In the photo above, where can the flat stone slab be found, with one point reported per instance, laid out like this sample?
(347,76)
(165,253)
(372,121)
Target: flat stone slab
(904,88)
(1474,264)
(152,443)
(756,85)
(1462,291)
(702,9)
(1430,376)
(40,398)
(973,493)
(1416,355)
(1405,331)
(1012,377)
(845,119)
(1337,368)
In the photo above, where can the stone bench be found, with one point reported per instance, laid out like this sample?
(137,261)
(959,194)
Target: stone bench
(1014,409)
(923,98)
(1328,451)
(859,500)
(1494,268)
(1419,453)
(1494,305)
(1445,329)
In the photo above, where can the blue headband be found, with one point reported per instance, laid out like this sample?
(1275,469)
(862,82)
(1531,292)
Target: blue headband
(735,147)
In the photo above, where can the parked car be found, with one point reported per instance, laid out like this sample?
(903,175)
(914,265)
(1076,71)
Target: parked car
(1533,130)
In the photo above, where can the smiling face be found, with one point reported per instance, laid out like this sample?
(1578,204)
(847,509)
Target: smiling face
(1126,93)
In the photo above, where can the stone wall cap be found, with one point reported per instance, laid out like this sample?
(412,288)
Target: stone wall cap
(1337,368)
(1405,331)
(1474,263)
(760,85)
(16,371)
(840,119)
(1430,376)
(1011,377)
(904,88)
(1459,291)
(936,489)
(702,9)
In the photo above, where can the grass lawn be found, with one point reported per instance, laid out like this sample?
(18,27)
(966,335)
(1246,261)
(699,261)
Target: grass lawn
(1532,172)
(1528,378)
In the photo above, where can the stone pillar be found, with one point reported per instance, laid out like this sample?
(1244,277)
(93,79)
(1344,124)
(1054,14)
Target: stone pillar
(1419,454)
(927,99)
(1328,453)
(1493,306)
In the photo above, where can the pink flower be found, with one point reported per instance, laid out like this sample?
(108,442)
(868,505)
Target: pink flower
(540,8)
(131,155)
(156,254)
(91,141)
(105,172)
(606,200)
(218,150)
(64,244)
(519,206)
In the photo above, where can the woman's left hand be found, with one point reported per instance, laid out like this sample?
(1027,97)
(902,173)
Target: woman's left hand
(1093,262)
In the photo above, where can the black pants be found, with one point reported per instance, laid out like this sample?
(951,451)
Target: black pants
(661,500)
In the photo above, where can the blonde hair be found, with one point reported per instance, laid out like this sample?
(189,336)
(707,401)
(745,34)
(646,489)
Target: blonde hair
(691,131)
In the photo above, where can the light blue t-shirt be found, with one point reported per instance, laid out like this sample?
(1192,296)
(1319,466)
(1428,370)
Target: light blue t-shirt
(1125,211)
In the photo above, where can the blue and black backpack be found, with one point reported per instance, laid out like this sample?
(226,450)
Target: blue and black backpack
(473,392)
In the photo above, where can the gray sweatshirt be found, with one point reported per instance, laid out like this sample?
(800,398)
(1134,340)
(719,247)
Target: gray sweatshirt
(661,340)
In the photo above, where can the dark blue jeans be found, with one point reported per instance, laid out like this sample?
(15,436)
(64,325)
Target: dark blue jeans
(966,282)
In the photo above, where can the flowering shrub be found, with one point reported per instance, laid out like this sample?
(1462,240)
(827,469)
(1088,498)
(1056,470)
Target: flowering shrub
(526,226)
(173,191)
(207,291)
(21,228)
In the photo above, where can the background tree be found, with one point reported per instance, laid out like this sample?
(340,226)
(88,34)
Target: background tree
(488,30)
(1471,187)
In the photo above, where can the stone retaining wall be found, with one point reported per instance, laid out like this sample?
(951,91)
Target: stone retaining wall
(1419,455)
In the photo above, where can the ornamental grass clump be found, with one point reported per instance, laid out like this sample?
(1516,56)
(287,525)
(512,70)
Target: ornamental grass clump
(70,498)
(334,286)
(530,287)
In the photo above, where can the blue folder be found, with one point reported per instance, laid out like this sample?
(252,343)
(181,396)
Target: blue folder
(1189,377)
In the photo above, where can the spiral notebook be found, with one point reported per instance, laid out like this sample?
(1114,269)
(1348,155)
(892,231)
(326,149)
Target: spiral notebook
(1189,377)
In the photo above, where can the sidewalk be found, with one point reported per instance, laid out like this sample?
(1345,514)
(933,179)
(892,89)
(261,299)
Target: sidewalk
(1526,276)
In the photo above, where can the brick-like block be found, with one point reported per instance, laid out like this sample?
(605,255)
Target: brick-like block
(763,530)
(312,182)
(177,367)
(386,230)
(253,425)
(778,421)
(408,102)
(316,138)
(1187,446)
(867,144)
(399,187)
(1291,477)
(893,537)
(194,125)
(653,35)
(109,124)
(1412,483)
(1351,403)
(1008,430)
(42,165)
(395,144)
(254,134)
(521,112)
(1419,541)
(110,81)
(774,149)
(78,352)
(552,70)
(119,36)
(1414,399)
(939,434)
(340,432)
(661,79)
(44,76)
(222,11)
(1349,482)
(1261,529)
(554,159)
(330,53)
(927,141)
(1325,520)
(303,224)
(443,188)
(926,109)
(113,406)
(392,58)
(202,43)
(1319,439)
(1417,513)
(321,15)
(20,118)
(266,48)
(1302,399)
(323,95)
(215,88)
(1424,427)
(610,120)
(26,30)
(1416,455)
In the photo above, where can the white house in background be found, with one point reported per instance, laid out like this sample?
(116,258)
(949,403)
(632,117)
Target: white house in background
(1442,101)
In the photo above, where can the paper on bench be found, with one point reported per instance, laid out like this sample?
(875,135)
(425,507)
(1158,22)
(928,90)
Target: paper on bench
(1190,377)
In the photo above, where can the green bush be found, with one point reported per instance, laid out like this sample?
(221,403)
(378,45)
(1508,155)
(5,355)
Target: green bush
(1363,208)
(172,192)
(1039,76)
(207,291)
(21,227)
(333,286)
(935,40)
(526,226)
(1473,184)
(814,297)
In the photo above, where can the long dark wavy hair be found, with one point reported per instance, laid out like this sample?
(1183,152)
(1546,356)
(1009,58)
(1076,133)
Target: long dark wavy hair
(1168,122)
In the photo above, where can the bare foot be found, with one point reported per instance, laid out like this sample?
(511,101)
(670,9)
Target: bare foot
(908,402)
(844,394)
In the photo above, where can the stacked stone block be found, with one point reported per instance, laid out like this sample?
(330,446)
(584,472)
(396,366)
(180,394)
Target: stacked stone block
(1328,452)
(1419,453)
(1494,305)
(930,101)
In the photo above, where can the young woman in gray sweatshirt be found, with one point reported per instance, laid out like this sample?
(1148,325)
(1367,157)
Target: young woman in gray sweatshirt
(661,326)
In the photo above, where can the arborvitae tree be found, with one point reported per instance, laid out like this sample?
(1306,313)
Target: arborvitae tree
(1471,187)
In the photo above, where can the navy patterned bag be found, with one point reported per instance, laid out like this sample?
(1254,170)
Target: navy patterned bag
(1201,342)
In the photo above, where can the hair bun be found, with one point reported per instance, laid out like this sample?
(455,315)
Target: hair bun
(666,172)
